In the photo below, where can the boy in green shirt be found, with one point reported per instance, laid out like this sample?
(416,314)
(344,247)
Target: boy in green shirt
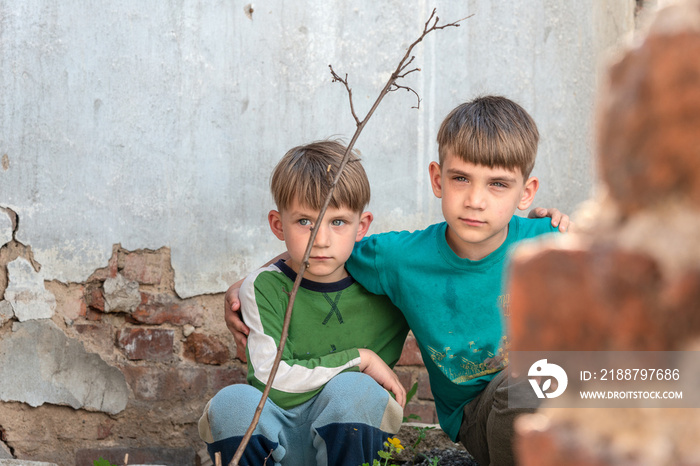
(448,279)
(326,404)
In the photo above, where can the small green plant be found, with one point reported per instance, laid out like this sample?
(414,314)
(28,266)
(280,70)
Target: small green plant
(422,432)
(412,392)
(393,446)
(102,462)
(409,395)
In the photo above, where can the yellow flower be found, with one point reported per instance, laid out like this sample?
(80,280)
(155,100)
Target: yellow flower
(396,443)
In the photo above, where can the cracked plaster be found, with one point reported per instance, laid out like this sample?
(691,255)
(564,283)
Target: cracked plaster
(190,169)
(39,364)
(6,312)
(6,227)
(26,292)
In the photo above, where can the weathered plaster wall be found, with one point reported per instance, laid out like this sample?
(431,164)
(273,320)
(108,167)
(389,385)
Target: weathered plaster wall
(119,363)
(86,370)
(154,124)
(136,141)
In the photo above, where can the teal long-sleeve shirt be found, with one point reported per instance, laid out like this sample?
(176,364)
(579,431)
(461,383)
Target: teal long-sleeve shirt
(453,305)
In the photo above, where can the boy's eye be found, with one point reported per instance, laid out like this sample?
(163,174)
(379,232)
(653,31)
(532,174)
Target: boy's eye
(305,222)
(337,222)
(460,178)
(498,184)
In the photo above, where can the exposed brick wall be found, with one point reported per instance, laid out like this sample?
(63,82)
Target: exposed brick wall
(411,370)
(630,279)
(175,354)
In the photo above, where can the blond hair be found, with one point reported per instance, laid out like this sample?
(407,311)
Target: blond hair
(306,172)
(492,131)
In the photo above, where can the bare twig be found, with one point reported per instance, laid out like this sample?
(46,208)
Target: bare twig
(388,87)
(396,87)
(337,78)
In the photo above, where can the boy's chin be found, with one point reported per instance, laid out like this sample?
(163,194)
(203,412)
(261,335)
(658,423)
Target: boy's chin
(325,274)
(466,240)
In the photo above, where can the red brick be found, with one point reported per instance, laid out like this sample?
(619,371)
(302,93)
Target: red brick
(405,377)
(410,356)
(101,334)
(144,381)
(153,344)
(104,429)
(166,384)
(649,143)
(145,268)
(94,298)
(225,376)
(537,445)
(424,391)
(597,300)
(92,315)
(161,308)
(185,383)
(206,349)
(425,412)
(94,330)
(682,301)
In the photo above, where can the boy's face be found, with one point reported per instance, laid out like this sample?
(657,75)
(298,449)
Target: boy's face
(478,202)
(336,236)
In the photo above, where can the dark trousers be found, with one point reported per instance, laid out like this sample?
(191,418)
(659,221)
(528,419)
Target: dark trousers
(487,427)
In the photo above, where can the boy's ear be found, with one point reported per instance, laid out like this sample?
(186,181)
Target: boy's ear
(531,186)
(365,221)
(275,220)
(436,178)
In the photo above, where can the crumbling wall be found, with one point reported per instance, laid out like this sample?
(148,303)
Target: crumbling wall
(158,123)
(630,279)
(119,363)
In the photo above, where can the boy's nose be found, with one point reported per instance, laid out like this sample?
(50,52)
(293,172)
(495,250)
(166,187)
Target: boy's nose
(475,199)
(322,237)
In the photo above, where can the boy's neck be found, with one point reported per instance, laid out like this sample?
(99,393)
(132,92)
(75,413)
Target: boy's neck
(475,251)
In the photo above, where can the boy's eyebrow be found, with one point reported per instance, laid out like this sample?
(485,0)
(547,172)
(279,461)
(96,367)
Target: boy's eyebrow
(500,177)
(505,178)
(303,213)
(311,213)
(455,171)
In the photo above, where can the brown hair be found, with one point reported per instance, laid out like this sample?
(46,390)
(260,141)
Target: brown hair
(492,131)
(305,174)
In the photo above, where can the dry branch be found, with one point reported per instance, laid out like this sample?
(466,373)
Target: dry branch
(430,25)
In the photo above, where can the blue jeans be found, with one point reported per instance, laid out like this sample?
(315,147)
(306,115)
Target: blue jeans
(347,423)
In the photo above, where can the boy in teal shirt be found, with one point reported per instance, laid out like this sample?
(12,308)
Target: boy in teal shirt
(448,278)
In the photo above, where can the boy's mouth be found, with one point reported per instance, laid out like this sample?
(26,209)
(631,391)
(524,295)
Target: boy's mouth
(472,222)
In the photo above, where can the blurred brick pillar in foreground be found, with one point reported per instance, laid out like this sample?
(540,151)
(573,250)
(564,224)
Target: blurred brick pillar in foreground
(629,280)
